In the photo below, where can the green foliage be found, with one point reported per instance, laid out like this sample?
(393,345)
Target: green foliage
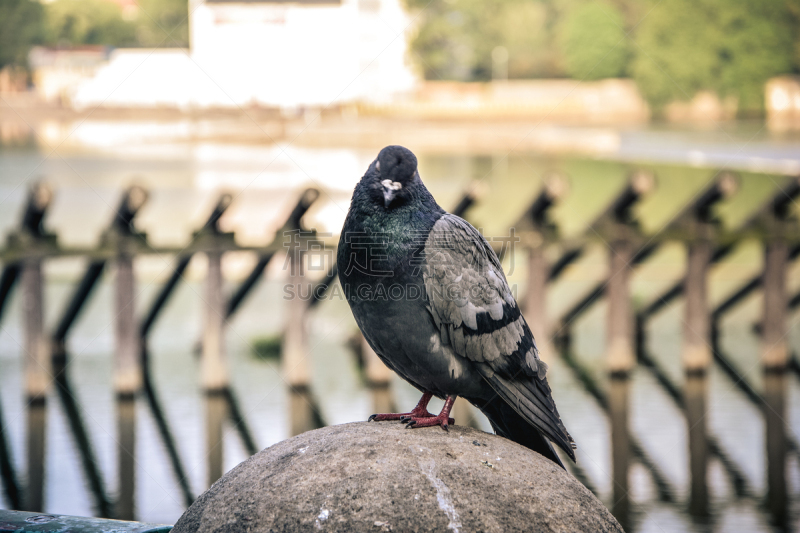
(156,23)
(675,48)
(456,38)
(267,348)
(594,43)
(21,26)
(163,23)
(75,22)
(728,46)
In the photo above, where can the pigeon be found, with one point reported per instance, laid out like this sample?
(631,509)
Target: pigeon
(430,296)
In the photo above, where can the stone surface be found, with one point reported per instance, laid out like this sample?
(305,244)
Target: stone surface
(379,476)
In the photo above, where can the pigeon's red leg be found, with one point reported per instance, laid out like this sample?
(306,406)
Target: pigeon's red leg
(443,419)
(421,410)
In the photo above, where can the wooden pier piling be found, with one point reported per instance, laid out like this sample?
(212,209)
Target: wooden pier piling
(537,231)
(295,362)
(37,354)
(696,350)
(774,344)
(620,356)
(535,302)
(127,361)
(702,228)
(213,364)
(775,356)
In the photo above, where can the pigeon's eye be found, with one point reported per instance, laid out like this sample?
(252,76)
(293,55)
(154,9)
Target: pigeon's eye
(378,166)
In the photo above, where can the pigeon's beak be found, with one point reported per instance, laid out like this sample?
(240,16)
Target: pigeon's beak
(390,189)
(388,196)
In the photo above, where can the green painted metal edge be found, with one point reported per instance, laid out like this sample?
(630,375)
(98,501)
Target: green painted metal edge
(20,521)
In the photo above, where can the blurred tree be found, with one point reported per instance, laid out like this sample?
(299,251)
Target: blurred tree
(728,46)
(593,41)
(163,23)
(21,26)
(75,22)
(456,37)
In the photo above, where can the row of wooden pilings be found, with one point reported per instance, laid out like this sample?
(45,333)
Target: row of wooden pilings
(46,354)
(706,242)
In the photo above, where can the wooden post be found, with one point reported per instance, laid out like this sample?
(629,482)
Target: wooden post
(127,382)
(37,353)
(697,358)
(696,322)
(37,381)
(214,369)
(774,349)
(620,362)
(128,361)
(294,359)
(620,356)
(536,297)
(296,366)
(774,361)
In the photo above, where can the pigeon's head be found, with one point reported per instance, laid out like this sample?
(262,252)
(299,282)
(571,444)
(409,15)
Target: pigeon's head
(392,176)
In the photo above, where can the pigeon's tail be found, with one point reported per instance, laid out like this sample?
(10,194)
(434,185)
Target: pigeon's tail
(509,424)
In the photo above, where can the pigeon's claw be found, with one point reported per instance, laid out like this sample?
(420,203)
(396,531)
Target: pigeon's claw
(442,419)
(402,417)
(429,421)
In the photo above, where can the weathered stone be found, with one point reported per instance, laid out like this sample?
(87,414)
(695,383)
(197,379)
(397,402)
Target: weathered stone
(379,476)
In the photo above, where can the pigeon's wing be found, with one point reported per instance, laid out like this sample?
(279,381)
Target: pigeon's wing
(475,311)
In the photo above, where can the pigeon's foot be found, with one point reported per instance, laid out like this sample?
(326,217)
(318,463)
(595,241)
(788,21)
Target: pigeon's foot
(443,419)
(420,411)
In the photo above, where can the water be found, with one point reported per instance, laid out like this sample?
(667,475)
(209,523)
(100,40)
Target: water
(184,180)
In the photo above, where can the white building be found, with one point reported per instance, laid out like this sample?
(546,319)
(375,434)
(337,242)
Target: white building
(266,53)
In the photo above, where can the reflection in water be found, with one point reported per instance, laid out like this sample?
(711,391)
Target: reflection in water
(240,423)
(304,414)
(126,450)
(80,435)
(695,408)
(37,422)
(774,414)
(216,408)
(10,484)
(619,387)
(382,399)
(165,432)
